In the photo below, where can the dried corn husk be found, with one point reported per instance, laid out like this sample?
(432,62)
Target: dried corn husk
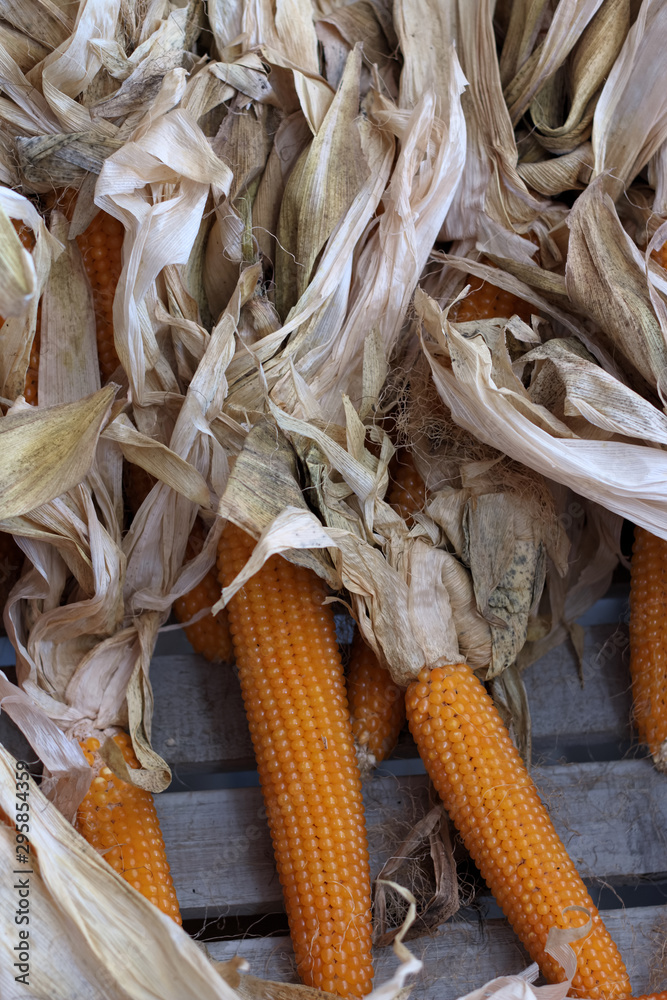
(631,117)
(281,198)
(621,476)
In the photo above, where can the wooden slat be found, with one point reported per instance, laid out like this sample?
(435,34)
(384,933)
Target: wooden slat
(199,722)
(569,717)
(462,957)
(611,816)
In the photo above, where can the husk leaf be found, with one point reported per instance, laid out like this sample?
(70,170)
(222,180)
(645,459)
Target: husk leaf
(321,190)
(625,478)
(68,367)
(606,279)
(570,172)
(567,24)
(46,452)
(631,116)
(17,271)
(66,775)
(77,940)
(593,57)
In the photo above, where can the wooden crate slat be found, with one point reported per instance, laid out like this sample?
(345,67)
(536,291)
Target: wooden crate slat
(221,857)
(564,714)
(199,720)
(462,957)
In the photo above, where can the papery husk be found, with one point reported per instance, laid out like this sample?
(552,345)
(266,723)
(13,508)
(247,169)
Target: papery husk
(511,699)
(319,312)
(341,28)
(66,775)
(46,452)
(321,189)
(570,172)
(547,291)
(606,279)
(164,51)
(83,916)
(25,51)
(155,544)
(438,896)
(595,550)
(328,352)
(625,478)
(593,57)
(496,517)
(68,367)
(630,121)
(17,272)
(26,275)
(169,151)
(567,379)
(417,199)
(425,32)
(492,203)
(566,26)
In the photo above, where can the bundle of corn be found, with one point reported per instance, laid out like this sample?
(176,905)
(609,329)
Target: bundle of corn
(283,316)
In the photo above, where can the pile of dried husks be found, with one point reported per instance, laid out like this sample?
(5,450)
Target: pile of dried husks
(261,266)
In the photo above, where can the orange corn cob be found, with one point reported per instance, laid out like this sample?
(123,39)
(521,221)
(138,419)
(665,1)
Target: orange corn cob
(661,257)
(486,301)
(293,689)
(648,642)
(494,805)
(100,247)
(377,705)
(407,492)
(120,822)
(137,484)
(32,374)
(210,636)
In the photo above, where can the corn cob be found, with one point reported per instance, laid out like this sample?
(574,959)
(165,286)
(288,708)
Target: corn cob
(120,822)
(486,301)
(661,257)
(648,644)
(292,683)
(494,805)
(407,493)
(100,247)
(32,374)
(377,705)
(210,635)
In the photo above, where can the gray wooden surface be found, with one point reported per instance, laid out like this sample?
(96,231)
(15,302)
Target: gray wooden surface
(612,818)
(462,957)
